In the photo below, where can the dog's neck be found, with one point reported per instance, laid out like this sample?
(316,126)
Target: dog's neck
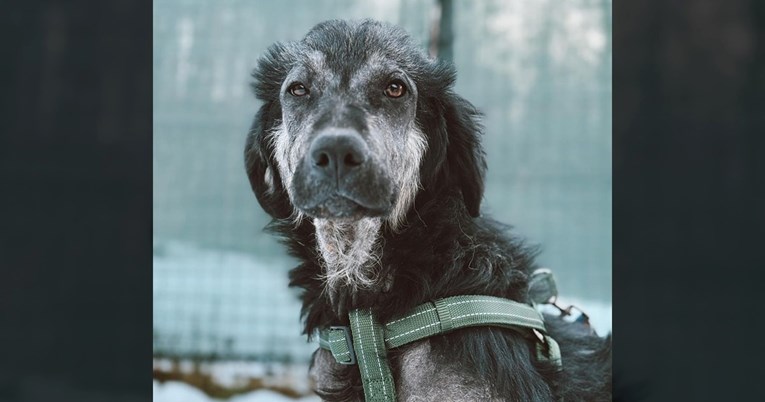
(440,251)
(350,253)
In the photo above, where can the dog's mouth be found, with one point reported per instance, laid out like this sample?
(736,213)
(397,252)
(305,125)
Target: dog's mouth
(343,207)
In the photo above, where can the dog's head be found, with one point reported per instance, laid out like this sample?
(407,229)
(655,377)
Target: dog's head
(356,120)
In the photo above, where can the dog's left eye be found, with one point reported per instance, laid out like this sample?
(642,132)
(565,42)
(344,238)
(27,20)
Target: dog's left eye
(298,89)
(395,89)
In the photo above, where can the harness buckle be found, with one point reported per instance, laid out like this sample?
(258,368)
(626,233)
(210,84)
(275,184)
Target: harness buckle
(348,343)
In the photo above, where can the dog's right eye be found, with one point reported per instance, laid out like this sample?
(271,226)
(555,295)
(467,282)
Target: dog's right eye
(298,89)
(395,89)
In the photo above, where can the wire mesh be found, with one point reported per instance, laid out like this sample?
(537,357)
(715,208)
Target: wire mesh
(540,71)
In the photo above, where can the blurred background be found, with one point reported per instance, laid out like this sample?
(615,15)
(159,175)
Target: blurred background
(226,325)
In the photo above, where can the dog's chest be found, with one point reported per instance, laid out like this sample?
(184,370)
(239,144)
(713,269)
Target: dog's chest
(416,374)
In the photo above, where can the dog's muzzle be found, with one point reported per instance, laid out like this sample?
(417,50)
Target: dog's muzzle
(338,178)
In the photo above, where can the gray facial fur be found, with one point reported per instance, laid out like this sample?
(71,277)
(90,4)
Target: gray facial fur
(349,246)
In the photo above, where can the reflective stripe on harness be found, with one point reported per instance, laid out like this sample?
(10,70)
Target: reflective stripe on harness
(367,341)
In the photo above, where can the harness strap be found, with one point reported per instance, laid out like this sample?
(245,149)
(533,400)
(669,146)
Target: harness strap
(450,313)
(368,341)
(338,341)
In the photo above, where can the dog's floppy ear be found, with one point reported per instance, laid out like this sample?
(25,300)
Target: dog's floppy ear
(465,158)
(261,169)
(455,158)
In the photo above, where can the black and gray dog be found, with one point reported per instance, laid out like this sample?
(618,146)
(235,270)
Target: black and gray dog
(373,172)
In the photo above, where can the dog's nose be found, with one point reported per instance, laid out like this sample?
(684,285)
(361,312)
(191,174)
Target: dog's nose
(336,153)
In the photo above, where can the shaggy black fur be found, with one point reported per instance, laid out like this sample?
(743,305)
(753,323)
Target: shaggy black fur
(446,248)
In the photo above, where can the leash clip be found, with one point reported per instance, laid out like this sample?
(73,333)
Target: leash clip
(348,343)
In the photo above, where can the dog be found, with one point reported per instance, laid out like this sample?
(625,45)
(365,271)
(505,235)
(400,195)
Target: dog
(373,172)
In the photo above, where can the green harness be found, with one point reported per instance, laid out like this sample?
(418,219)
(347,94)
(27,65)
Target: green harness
(367,341)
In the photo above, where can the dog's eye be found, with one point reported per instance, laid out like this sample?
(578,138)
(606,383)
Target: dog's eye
(395,89)
(298,89)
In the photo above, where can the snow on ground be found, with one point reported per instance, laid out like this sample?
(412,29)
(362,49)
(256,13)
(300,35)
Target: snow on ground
(173,391)
(269,396)
(235,374)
